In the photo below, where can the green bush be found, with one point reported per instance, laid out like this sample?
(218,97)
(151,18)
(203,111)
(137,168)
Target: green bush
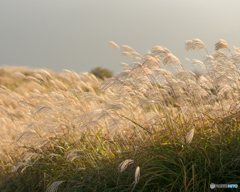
(102,73)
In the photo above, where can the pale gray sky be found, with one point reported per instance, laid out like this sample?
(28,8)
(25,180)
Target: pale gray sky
(74,34)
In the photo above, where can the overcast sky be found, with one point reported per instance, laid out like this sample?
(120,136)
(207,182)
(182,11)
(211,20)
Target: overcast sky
(75,34)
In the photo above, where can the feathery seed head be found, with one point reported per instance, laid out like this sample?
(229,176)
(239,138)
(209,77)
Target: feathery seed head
(170,58)
(114,45)
(126,66)
(138,58)
(220,55)
(150,62)
(199,44)
(236,49)
(45,74)
(188,60)
(221,44)
(189,136)
(72,154)
(127,54)
(19,75)
(27,157)
(164,72)
(54,186)
(135,53)
(197,62)
(148,72)
(127,48)
(137,175)
(160,50)
(18,165)
(209,58)
(190,45)
(125,164)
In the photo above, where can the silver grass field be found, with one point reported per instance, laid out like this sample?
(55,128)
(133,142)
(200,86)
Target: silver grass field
(144,129)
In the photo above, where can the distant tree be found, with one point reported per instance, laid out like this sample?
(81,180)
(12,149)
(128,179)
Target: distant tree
(102,73)
(198,73)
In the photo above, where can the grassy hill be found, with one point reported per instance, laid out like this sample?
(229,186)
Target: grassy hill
(144,129)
